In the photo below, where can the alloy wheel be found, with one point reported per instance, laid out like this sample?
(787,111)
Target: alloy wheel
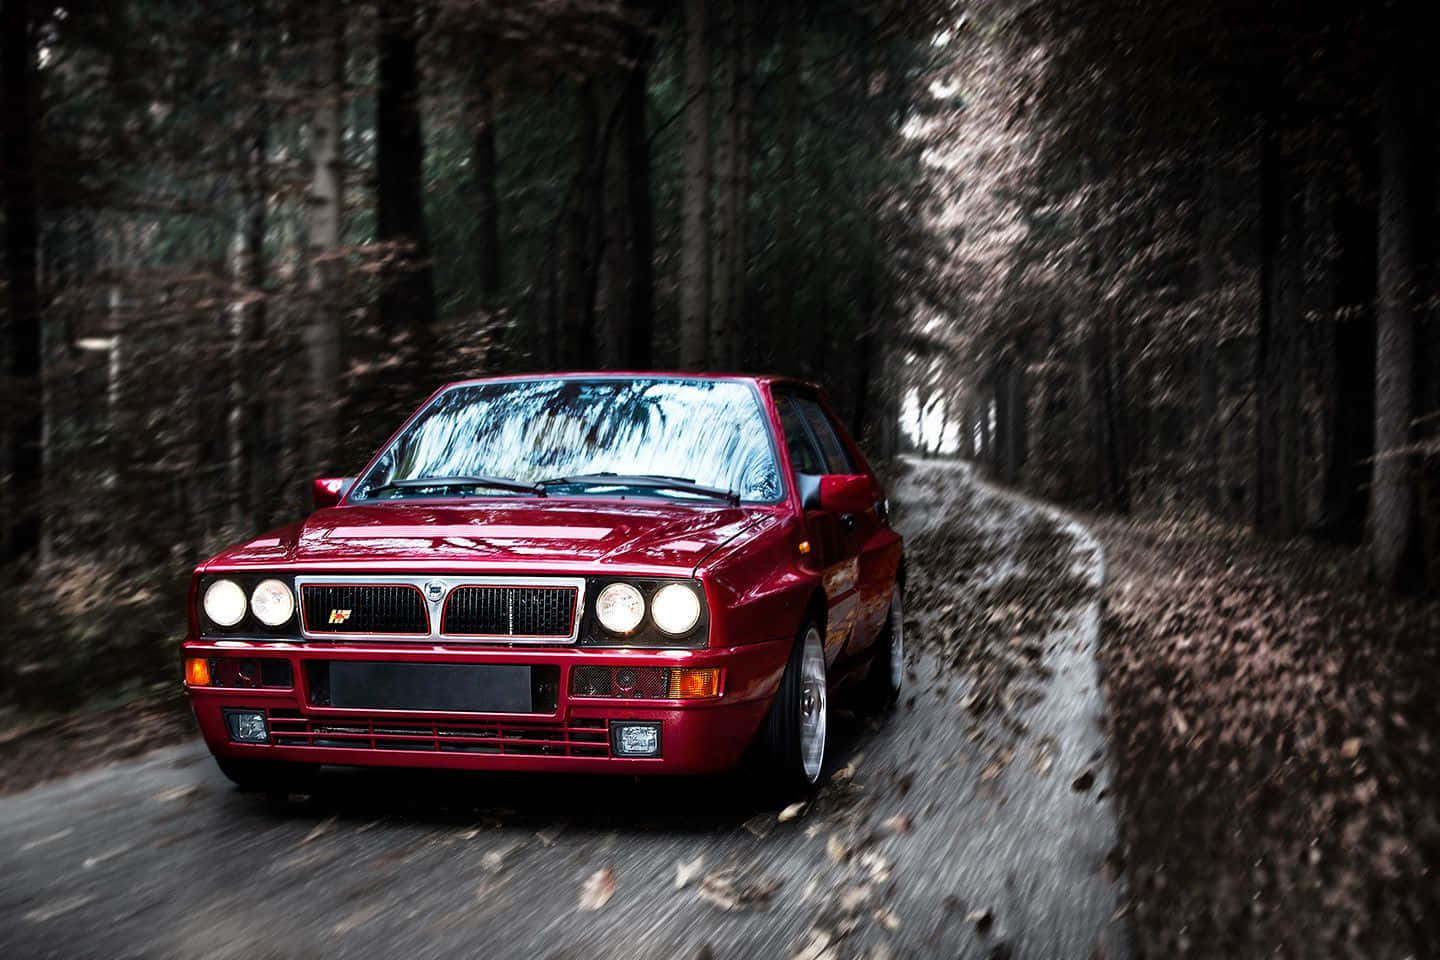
(814,714)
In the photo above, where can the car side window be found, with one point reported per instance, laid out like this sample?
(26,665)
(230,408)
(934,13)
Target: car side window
(836,459)
(804,456)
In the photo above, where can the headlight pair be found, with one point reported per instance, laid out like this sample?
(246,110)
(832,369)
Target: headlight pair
(675,608)
(272,602)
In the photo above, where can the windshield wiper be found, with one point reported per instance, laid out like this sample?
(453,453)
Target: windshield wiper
(643,481)
(494,483)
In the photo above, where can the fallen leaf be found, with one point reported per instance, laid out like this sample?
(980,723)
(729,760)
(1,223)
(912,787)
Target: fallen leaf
(843,774)
(1114,864)
(99,858)
(888,919)
(998,762)
(820,946)
(792,811)
(494,860)
(1177,720)
(1350,749)
(319,830)
(836,849)
(983,920)
(853,899)
(727,892)
(178,793)
(598,889)
(1042,763)
(878,866)
(899,823)
(1083,782)
(685,873)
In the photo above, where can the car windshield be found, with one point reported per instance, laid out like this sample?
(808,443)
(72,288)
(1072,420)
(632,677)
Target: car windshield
(664,434)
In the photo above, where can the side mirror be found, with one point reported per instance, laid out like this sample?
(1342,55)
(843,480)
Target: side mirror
(847,493)
(327,491)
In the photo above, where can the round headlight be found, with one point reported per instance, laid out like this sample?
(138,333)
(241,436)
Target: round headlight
(676,608)
(224,603)
(272,603)
(620,608)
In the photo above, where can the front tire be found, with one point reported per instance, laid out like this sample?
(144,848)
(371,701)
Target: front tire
(798,723)
(266,776)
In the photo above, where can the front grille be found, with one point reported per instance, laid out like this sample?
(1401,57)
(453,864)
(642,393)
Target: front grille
(365,608)
(505,611)
(577,738)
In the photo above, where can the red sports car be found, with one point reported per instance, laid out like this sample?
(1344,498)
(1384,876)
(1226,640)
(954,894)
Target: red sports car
(589,572)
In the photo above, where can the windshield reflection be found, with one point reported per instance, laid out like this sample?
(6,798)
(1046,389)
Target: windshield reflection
(711,432)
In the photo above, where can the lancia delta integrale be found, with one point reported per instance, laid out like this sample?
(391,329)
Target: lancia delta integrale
(639,573)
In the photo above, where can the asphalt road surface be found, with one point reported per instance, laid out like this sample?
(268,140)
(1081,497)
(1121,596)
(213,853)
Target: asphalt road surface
(916,847)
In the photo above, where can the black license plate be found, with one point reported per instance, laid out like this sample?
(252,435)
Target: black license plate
(462,688)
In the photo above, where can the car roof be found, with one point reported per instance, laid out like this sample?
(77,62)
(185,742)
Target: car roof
(758,378)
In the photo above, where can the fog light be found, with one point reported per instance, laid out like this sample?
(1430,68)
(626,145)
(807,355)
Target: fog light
(247,726)
(635,739)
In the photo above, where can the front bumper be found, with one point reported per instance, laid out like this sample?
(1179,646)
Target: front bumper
(696,736)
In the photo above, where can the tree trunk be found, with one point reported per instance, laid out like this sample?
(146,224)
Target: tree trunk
(1212,252)
(612,301)
(865,359)
(483,160)
(967,427)
(791,75)
(325,331)
(253,455)
(1392,499)
(1271,230)
(1351,439)
(577,315)
(19,98)
(639,205)
(1014,387)
(740,231)
(1288,370)
(722,217)
(694,242)
(999,453)
(407,300)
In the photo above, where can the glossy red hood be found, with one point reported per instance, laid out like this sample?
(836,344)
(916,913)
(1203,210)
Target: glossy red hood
(641,536)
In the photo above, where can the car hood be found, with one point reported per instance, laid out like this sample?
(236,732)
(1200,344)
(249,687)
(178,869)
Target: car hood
(497,536)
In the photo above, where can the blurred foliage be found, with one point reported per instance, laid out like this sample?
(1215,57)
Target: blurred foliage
(177,385)
(1169,241)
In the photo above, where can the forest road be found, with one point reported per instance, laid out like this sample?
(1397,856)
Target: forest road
(938,834)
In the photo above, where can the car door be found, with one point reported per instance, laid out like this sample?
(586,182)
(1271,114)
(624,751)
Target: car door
(834,547)
(863,529)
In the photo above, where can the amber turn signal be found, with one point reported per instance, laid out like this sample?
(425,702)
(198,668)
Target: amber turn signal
(692,683)
(197,671)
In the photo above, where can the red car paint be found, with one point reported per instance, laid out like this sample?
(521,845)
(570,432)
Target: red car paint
(764,568)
